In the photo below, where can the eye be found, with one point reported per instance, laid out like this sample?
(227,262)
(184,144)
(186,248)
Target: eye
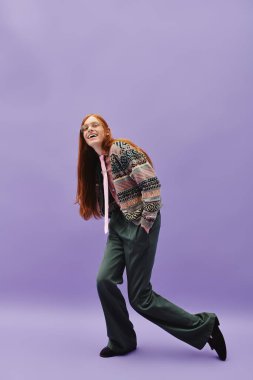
(83,128)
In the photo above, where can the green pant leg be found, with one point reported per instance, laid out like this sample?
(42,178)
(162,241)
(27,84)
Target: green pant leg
(120,330)
(140,250)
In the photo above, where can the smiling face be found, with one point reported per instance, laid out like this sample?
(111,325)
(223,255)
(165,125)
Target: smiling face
(93,133)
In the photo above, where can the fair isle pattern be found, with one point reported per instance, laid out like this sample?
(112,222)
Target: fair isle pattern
(136,184)
(116,166)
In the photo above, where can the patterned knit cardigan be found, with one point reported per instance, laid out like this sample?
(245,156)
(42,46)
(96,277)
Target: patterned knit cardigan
(135,182)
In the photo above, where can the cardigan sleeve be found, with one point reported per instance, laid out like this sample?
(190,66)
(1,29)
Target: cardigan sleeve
(142,172)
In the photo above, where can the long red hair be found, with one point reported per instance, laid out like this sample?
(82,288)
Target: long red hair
(86,195)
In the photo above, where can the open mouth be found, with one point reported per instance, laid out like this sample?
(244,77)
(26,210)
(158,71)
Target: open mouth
(92,136)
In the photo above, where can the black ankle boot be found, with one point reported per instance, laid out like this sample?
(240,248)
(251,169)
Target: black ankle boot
(217,341)
(107,352)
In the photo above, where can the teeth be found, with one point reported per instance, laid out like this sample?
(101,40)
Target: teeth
(92,136)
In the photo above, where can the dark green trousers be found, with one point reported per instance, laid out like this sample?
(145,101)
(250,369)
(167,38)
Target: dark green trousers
(129,246)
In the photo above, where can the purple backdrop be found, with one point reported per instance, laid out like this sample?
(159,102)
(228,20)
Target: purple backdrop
(175,77)
(177,80)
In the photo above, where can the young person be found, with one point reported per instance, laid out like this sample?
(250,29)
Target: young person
(116,179)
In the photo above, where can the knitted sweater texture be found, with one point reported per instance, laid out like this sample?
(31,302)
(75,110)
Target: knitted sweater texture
(136,185)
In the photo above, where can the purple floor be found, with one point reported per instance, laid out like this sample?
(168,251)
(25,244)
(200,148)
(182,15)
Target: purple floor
(50,343)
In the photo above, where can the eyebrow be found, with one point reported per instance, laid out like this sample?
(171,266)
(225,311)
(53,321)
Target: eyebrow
(92,122)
